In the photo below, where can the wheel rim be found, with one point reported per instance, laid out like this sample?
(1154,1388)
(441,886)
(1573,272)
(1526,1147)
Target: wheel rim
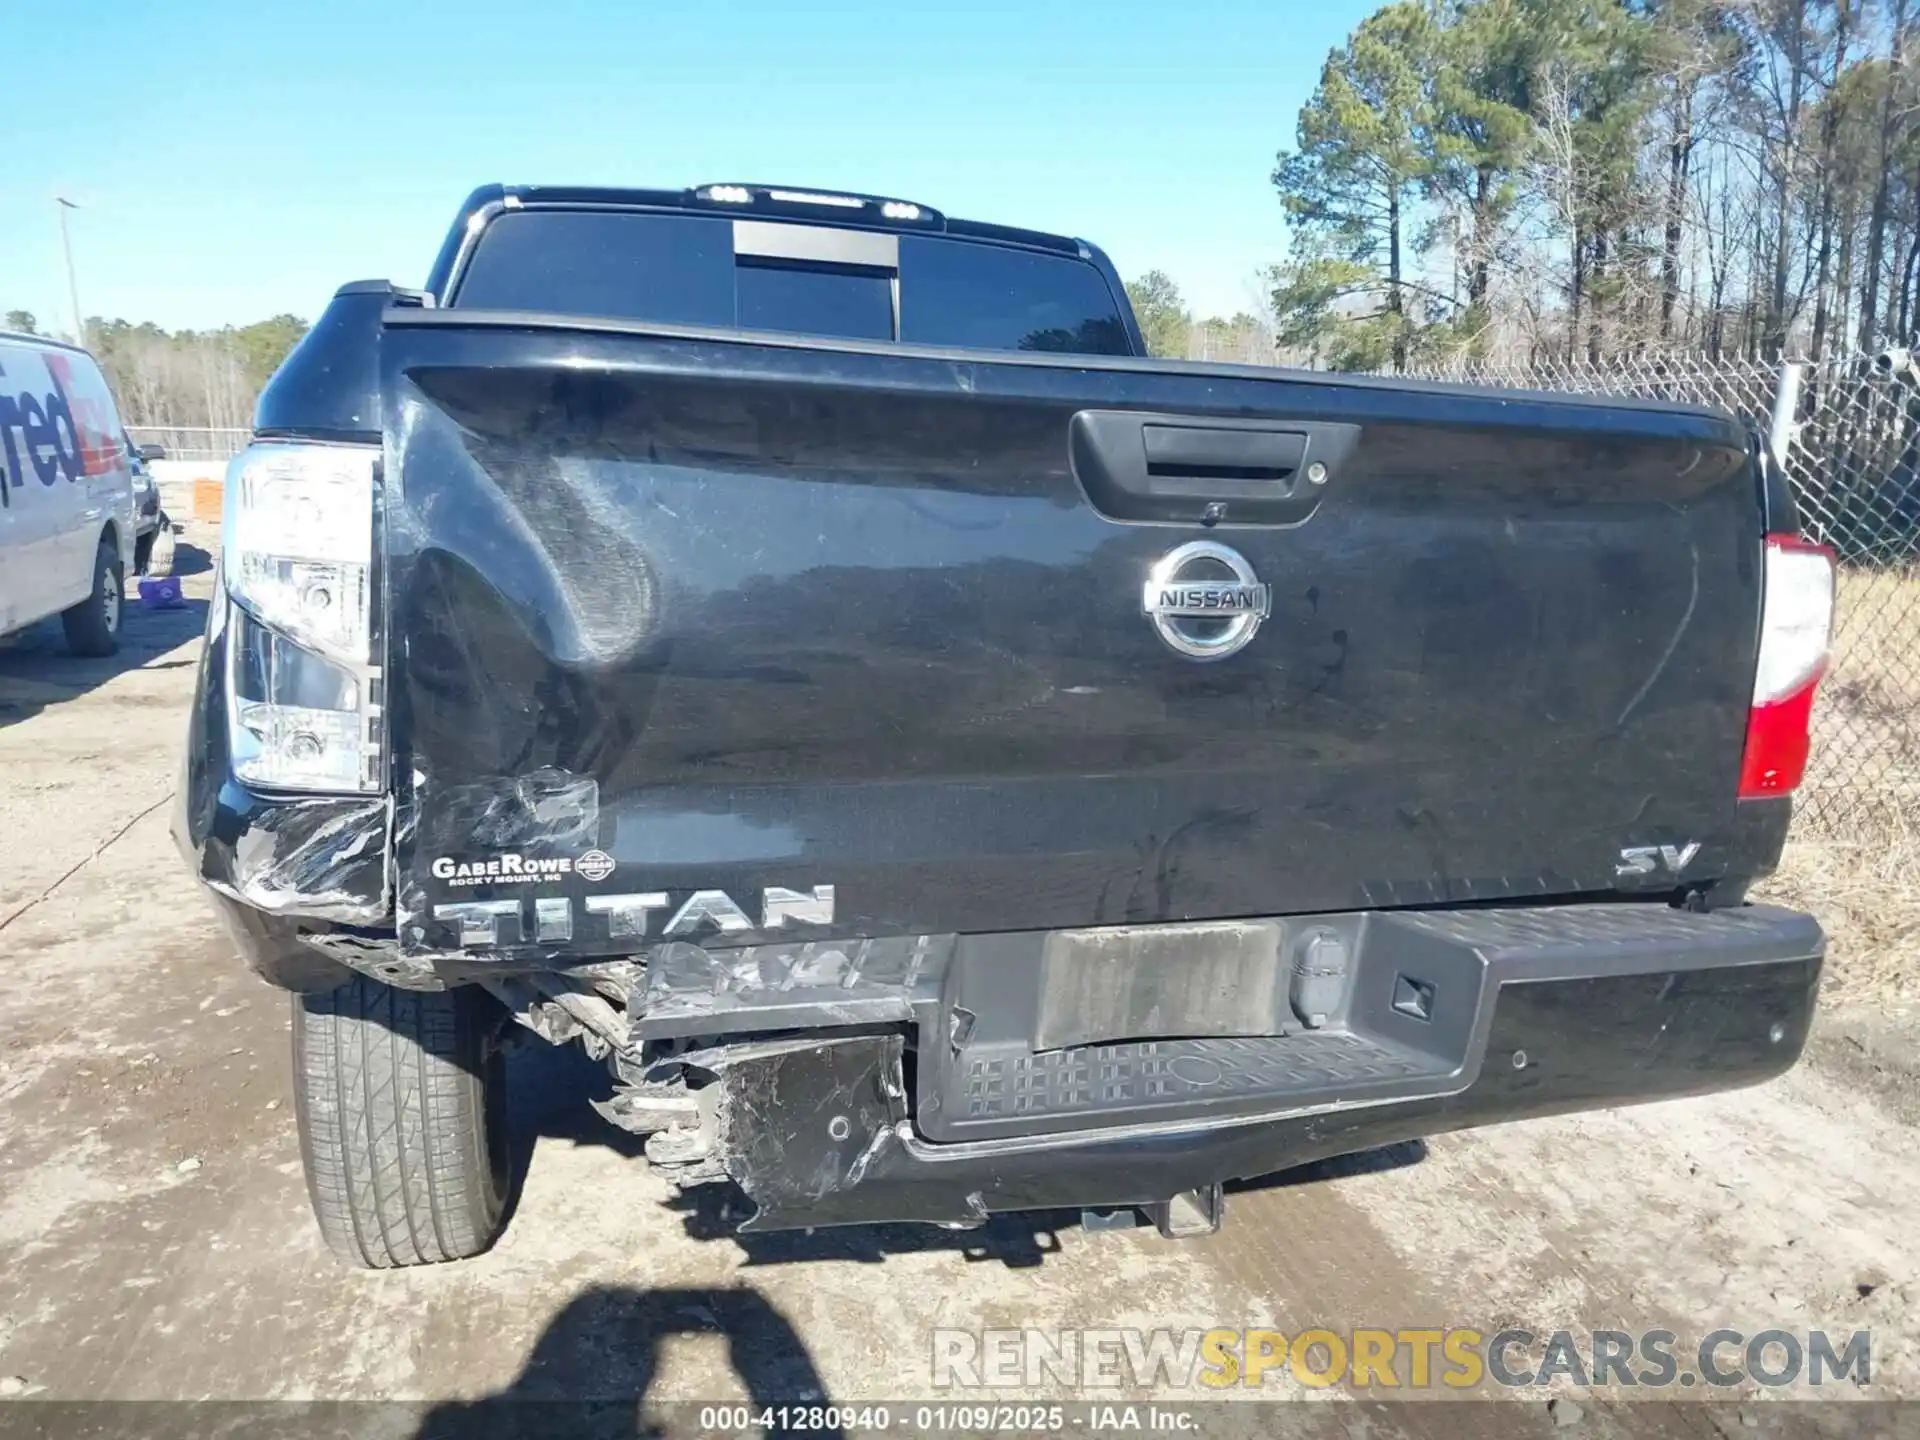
(110,601)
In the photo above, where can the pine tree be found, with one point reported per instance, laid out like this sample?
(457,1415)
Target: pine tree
(1349,191)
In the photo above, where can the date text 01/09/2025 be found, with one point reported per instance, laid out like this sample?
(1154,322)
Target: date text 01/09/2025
(936,1418)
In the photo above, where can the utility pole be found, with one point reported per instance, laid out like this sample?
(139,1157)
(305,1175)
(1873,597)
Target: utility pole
(73,286)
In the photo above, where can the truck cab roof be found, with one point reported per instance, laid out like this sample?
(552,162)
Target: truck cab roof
(791,204)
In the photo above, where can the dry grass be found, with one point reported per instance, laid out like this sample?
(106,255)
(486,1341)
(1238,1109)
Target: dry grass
(1865,769)
(1854,856)
(1866,892)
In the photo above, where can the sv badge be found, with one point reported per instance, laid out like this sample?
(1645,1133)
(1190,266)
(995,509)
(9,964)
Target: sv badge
(1653,859)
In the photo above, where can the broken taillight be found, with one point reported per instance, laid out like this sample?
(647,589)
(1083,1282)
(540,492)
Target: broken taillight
(1796,623)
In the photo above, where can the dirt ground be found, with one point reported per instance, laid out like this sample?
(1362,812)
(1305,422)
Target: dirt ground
(155,1242)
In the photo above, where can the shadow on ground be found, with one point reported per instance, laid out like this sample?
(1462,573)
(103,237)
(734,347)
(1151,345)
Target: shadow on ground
(36,670)
(591,1369)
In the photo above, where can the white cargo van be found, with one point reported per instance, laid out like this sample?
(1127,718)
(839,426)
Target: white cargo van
(66,494)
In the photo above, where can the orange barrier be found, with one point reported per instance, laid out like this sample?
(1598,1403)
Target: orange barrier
(207,498)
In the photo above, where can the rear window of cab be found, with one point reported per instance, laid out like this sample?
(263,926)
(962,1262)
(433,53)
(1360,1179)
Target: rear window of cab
(687,270)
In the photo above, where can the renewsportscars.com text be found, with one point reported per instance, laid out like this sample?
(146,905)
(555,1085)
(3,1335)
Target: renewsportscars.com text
(1457,1358)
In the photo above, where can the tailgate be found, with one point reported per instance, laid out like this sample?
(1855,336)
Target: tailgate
(698,636)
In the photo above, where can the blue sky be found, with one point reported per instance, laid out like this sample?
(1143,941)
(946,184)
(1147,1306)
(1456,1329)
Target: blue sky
(234,160)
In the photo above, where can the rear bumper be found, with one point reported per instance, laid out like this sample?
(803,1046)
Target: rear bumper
(821,1132)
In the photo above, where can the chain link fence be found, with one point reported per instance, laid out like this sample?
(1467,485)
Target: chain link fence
(1847,432)
(191,442)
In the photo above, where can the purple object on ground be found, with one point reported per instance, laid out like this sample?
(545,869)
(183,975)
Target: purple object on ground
(162,594)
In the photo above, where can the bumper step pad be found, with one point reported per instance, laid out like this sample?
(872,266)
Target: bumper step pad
(1059,1089)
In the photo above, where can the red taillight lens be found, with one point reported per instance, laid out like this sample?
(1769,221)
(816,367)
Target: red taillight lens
(1776,755)
(1796,623)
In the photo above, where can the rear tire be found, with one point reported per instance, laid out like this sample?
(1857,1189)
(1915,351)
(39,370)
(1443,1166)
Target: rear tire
(93,626)
(400,1097)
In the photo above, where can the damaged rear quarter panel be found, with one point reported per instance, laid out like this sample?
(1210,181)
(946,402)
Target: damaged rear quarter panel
(325,858)
(314,857)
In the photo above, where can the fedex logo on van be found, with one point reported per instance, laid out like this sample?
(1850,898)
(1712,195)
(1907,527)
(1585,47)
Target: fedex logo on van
(56,420)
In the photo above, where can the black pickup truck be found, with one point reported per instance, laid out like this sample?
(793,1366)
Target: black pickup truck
(796,646)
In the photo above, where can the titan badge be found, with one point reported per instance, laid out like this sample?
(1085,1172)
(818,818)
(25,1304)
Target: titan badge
(1204,600)
(487,923)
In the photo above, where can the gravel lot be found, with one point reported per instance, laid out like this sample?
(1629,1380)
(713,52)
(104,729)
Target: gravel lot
(155,1241)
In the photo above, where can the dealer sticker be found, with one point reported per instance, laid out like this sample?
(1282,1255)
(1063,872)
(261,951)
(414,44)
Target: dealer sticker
(513,868)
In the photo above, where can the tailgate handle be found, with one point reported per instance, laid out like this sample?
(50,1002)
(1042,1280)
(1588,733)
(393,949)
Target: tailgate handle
(1205,471)
(1185,459)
